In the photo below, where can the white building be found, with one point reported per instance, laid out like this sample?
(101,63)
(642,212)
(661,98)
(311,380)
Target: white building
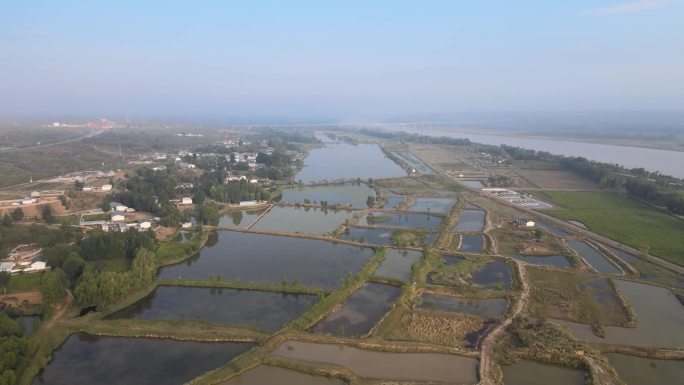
(116,206)
(144,225)
(35,194)
(248,203)
(186,201)
(186,225)
(118,216)
(28,201)
(106,187)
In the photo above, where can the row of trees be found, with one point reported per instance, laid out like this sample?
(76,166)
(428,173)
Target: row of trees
(407,137)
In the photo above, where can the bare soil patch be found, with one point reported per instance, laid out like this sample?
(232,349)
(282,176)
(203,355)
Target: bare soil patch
(17,299)
(558,180)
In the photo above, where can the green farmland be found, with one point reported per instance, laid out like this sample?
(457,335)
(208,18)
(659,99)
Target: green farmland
(623,219)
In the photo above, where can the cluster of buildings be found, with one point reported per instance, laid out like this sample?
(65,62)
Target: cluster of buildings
(104,188)
(33,198)
(517,199)
(23,259)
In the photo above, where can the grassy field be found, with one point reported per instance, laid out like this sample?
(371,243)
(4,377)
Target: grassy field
(20,283)
(558,294)
(623,219)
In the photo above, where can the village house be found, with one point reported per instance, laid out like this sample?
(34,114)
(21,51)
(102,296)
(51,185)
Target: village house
(116,206)
(118,216)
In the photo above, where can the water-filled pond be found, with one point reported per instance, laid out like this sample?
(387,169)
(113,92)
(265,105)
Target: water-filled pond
(414,221)
(413,162)
(262,310)
(493,275)
(344,194)
(470,220)
(550,260)
(434,367)
(432,205)
(85,359)
(471,244)
(347,161)
(646,371)
(310,220)
(473,183)
(360,312)
(240,219)
(376,236)
(397,263)
(536,373)
(553,230)
(393,200)
(593,257)
(27,323)
(484,307)
(659,314)
(270,259)
(650,271)
(267,374)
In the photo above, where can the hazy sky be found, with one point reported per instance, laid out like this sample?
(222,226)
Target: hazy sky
(348,59)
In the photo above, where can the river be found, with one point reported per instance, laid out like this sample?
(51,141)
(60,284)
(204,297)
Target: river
(666,162)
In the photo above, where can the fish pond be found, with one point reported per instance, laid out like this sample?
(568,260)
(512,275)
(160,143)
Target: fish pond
(432,205)
(343,194)
(262,310)
(312,220)
(593,257)
(483,307)
(646,371)
(553,230)
(536,373)
(470,220)
(267,374)
(550,260)
(347,161)
(413,162)
(414,221)
(473,183)
(379,236)
(271,259)
(85,359)
(418,367)
(240,219)
(397,264)
(659,317)
(471,244)
(360,312)
(493,275)
(393,200)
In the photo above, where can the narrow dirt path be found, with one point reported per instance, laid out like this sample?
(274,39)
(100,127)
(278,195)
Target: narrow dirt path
(488,344)
(60,310)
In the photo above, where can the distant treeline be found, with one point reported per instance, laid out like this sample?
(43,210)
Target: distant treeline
(661,190)
(403,136)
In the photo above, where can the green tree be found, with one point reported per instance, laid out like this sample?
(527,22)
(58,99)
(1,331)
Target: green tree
(7,220)
(73,267)
(47,214)
(17,214)
(52,286)
(370,201)
(4,280)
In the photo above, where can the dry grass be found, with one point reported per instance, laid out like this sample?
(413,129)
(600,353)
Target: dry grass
(429,327)
(558,180)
